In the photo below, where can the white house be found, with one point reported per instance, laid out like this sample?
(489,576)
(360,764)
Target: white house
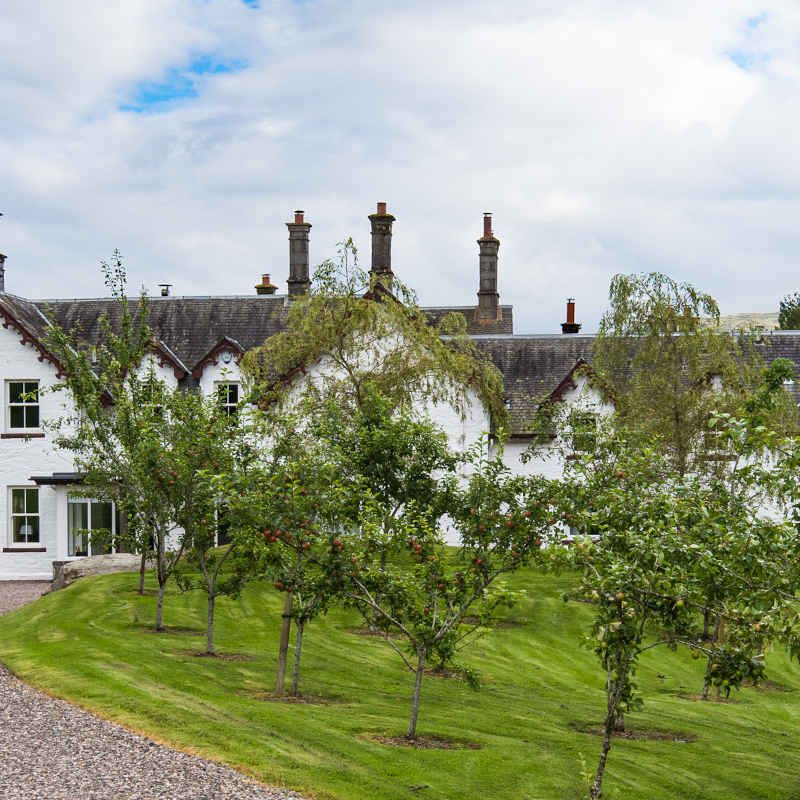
(199,341)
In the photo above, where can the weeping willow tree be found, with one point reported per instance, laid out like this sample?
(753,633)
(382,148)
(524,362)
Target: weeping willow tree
(663,361)
(351,343)
(362,338)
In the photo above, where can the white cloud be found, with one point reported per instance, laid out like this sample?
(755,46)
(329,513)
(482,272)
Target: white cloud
(605,136)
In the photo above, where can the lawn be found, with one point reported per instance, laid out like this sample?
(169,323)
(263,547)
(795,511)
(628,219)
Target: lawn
(91,644)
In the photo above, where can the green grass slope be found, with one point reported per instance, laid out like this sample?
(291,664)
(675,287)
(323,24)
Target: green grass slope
(91,644)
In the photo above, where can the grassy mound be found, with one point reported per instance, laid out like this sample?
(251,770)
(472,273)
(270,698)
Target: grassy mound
(525,734)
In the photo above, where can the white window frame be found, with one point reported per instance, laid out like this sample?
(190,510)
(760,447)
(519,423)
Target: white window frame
(12,515)
(231,409)
(9,405)
(89,501)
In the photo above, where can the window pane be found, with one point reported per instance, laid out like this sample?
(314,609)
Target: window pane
(101,528)
(32,392)
(31,501)
(101,516)
(100,542)
(77,522)
(17,501)
(32,416)
(120,542)
(78,544)
(77,515)
(228,393)
(16,418)
(25,529)
(15,392)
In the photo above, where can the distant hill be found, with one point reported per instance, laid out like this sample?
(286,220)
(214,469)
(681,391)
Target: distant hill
(733,322)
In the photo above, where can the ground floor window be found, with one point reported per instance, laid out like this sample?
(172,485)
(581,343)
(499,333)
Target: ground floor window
(24,516)
(91,527)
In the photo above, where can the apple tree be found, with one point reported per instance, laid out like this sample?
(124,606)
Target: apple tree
(434,596)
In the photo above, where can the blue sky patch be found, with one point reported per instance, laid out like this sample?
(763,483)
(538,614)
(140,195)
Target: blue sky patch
(748,60)
(753,22)
(747,57)
(178,83)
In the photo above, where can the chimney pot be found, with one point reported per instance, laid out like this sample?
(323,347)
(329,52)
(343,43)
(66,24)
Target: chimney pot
(266,286)
(382,208)
(570,326)
(2,272)
(165,287)
(298,217)
(487,224)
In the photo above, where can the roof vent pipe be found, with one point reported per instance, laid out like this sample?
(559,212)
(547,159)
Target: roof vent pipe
(570,326)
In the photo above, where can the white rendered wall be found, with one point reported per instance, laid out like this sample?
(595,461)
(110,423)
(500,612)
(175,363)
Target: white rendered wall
(219,373)
(548,459)
(22,458)
(161,371)
(462,430)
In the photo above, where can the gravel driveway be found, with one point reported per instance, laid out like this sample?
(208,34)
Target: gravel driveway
(51,749)
(16,593)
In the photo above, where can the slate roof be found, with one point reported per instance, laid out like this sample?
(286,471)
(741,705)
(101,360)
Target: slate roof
(28,323)
(533,367)
(25,312)
(782,344)
(504,325)
(189,326)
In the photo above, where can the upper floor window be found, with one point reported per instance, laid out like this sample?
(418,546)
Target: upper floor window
(228,396)
(23,405)
(24,515)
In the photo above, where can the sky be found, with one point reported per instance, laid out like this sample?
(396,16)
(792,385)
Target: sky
(605,136)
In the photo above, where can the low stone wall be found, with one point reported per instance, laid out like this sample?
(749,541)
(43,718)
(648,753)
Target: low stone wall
(67,572)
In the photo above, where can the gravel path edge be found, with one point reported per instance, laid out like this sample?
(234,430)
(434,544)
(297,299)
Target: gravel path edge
(59,749)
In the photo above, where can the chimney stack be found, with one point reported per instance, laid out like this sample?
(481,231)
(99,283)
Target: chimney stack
(488,297)
(2,273)
(570,326)
(381,270)
(266,286)
(298,257)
